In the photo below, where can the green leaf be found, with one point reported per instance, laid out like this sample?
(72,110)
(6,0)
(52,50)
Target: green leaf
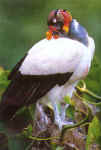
(67,99)
(55,147)
(94,133)
(28,131)
(70,112)
(59,148)
(3,80)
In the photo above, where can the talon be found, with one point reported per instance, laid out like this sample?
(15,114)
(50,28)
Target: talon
(60,117)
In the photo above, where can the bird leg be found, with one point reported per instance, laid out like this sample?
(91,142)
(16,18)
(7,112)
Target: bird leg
(57,117)
(41,118)
(60,115)
(63,111)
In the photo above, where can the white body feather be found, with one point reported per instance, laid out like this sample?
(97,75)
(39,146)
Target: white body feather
(59,56)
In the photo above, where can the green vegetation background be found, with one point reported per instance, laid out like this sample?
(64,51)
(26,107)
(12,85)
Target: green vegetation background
(24,22)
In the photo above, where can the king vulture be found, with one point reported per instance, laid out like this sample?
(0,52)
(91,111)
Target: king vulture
(52,67)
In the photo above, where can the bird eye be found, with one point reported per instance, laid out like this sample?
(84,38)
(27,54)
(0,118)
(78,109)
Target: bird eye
(54,20)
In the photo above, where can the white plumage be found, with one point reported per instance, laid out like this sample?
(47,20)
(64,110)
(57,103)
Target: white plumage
(57,56)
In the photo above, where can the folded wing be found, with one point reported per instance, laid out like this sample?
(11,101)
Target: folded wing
(38,72)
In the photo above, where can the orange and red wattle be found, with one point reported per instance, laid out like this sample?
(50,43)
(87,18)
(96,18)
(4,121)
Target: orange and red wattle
(52,28)
(67,17)
(49,34)
(65,28)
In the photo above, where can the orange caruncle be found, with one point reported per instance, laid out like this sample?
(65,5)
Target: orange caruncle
(65,28)
(56,36)
(48,35)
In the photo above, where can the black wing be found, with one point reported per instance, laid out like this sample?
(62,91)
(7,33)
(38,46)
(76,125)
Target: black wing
(27,89)
(16,68)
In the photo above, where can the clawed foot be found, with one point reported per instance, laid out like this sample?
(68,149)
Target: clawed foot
(41,118)
(60,116)
(60,123)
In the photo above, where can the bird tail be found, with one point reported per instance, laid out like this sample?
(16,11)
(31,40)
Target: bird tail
(7,112)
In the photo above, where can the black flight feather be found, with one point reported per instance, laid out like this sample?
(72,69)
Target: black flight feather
(15,69)
(27,89)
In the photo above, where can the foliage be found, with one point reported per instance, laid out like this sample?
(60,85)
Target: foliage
(3,80)
(94,133)
(84,109)
(93,79)
(23,23)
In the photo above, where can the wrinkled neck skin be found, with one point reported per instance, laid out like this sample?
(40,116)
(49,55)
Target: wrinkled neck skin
(78,32)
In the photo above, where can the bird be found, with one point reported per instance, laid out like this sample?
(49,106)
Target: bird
(51,69)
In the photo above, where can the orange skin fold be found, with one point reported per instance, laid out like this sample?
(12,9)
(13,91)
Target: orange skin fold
(67,19)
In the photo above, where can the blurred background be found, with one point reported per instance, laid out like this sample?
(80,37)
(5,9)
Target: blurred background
(24,22)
